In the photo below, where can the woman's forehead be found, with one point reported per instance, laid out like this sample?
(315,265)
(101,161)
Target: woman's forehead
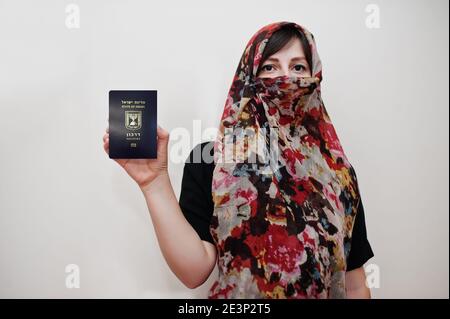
(293,51)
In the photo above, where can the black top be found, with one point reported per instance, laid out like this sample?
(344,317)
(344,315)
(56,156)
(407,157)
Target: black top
(197,205)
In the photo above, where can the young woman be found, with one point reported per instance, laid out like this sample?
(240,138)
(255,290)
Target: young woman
(291,226)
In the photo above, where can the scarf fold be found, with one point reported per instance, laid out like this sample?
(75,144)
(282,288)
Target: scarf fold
(285,195)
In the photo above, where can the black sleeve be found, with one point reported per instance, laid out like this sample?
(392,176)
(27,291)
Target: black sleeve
(360,249)
(195,196)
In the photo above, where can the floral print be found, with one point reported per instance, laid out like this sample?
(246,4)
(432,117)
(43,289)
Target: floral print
(286,196)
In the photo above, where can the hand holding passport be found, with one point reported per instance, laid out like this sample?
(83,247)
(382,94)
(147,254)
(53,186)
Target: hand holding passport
(132,124)
(133,138)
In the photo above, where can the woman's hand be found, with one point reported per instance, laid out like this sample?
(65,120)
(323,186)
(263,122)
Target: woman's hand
(194,260)
(355,283)
(144,171)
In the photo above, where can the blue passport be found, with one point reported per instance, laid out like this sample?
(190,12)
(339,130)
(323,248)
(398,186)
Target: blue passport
(132,124)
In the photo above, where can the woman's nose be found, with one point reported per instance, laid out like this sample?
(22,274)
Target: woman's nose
(285,71)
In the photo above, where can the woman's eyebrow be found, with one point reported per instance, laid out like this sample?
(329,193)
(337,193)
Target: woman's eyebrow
(299,58)
(272,60)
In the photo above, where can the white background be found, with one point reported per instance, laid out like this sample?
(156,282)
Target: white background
(63,201)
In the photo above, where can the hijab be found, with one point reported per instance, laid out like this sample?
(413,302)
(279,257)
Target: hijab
(285,195)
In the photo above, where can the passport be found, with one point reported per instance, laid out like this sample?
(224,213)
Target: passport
(132,124)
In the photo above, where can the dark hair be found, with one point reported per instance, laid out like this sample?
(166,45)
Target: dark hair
(280,38)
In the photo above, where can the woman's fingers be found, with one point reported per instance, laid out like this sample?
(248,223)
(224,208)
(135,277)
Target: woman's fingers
(106,143)
(163,140)
(106,139)
(162,133)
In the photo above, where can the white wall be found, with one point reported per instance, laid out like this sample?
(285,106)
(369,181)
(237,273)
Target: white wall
(63,201)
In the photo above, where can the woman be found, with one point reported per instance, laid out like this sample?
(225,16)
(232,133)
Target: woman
(273,199)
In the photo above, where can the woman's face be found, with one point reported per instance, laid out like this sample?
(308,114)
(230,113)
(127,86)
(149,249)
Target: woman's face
(289,61)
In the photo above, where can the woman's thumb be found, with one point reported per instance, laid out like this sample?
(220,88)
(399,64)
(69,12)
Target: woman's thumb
(162,133)
(163,139)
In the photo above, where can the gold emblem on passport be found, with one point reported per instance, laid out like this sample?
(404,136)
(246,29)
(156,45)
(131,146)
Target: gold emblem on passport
(133,120)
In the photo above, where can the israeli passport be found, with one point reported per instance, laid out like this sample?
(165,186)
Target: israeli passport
(132,124)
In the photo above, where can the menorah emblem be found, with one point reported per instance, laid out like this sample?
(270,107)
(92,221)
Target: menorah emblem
(133,120)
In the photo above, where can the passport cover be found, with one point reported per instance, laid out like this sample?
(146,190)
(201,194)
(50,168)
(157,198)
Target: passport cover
(132,124)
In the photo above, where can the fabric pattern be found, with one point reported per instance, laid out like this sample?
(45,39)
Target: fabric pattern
(285,195)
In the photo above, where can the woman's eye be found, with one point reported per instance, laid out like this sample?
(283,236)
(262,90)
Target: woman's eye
(267,67)
(299,67)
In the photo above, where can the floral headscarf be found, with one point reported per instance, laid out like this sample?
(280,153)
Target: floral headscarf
(285,195)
